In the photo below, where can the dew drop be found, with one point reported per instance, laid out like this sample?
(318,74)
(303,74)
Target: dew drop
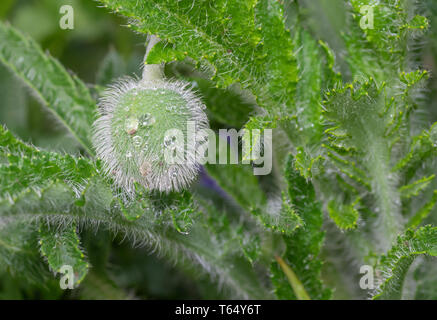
(147,120)
(131,125)
(169,141)
(137,140)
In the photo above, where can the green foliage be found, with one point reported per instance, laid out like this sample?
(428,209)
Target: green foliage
(353,172)
(381,51)
(395,264)
(111,67)
(65,95)
(60,247)
(345,216)
(297,286)
(235,41)
(303,247)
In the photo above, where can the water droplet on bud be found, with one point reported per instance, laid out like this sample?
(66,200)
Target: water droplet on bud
(169,141)
(137,140)
(142,111)
(131,125)
(147,120)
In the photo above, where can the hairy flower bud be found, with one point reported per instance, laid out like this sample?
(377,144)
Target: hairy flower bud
(131,133)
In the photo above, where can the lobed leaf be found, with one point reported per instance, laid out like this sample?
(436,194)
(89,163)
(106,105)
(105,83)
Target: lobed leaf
(345,216)
(60,247)
(395,264)
(304,245)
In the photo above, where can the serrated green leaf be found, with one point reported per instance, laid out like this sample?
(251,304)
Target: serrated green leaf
(344,216)
(395,264)
(247,52)
(304,163)
(252,136)
(164,52)
(19,254)
(25,168)
(286,221)
(413,189)
(277,50)
(186,26)
(422,147)
(308,92)
(60,246)
(304,245)
(371,117)
(423,212)
(379,50)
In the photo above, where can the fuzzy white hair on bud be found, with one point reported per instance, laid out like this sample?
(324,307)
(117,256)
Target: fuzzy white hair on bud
(131,132)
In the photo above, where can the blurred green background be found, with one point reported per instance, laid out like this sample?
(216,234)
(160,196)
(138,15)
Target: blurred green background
(96,35)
